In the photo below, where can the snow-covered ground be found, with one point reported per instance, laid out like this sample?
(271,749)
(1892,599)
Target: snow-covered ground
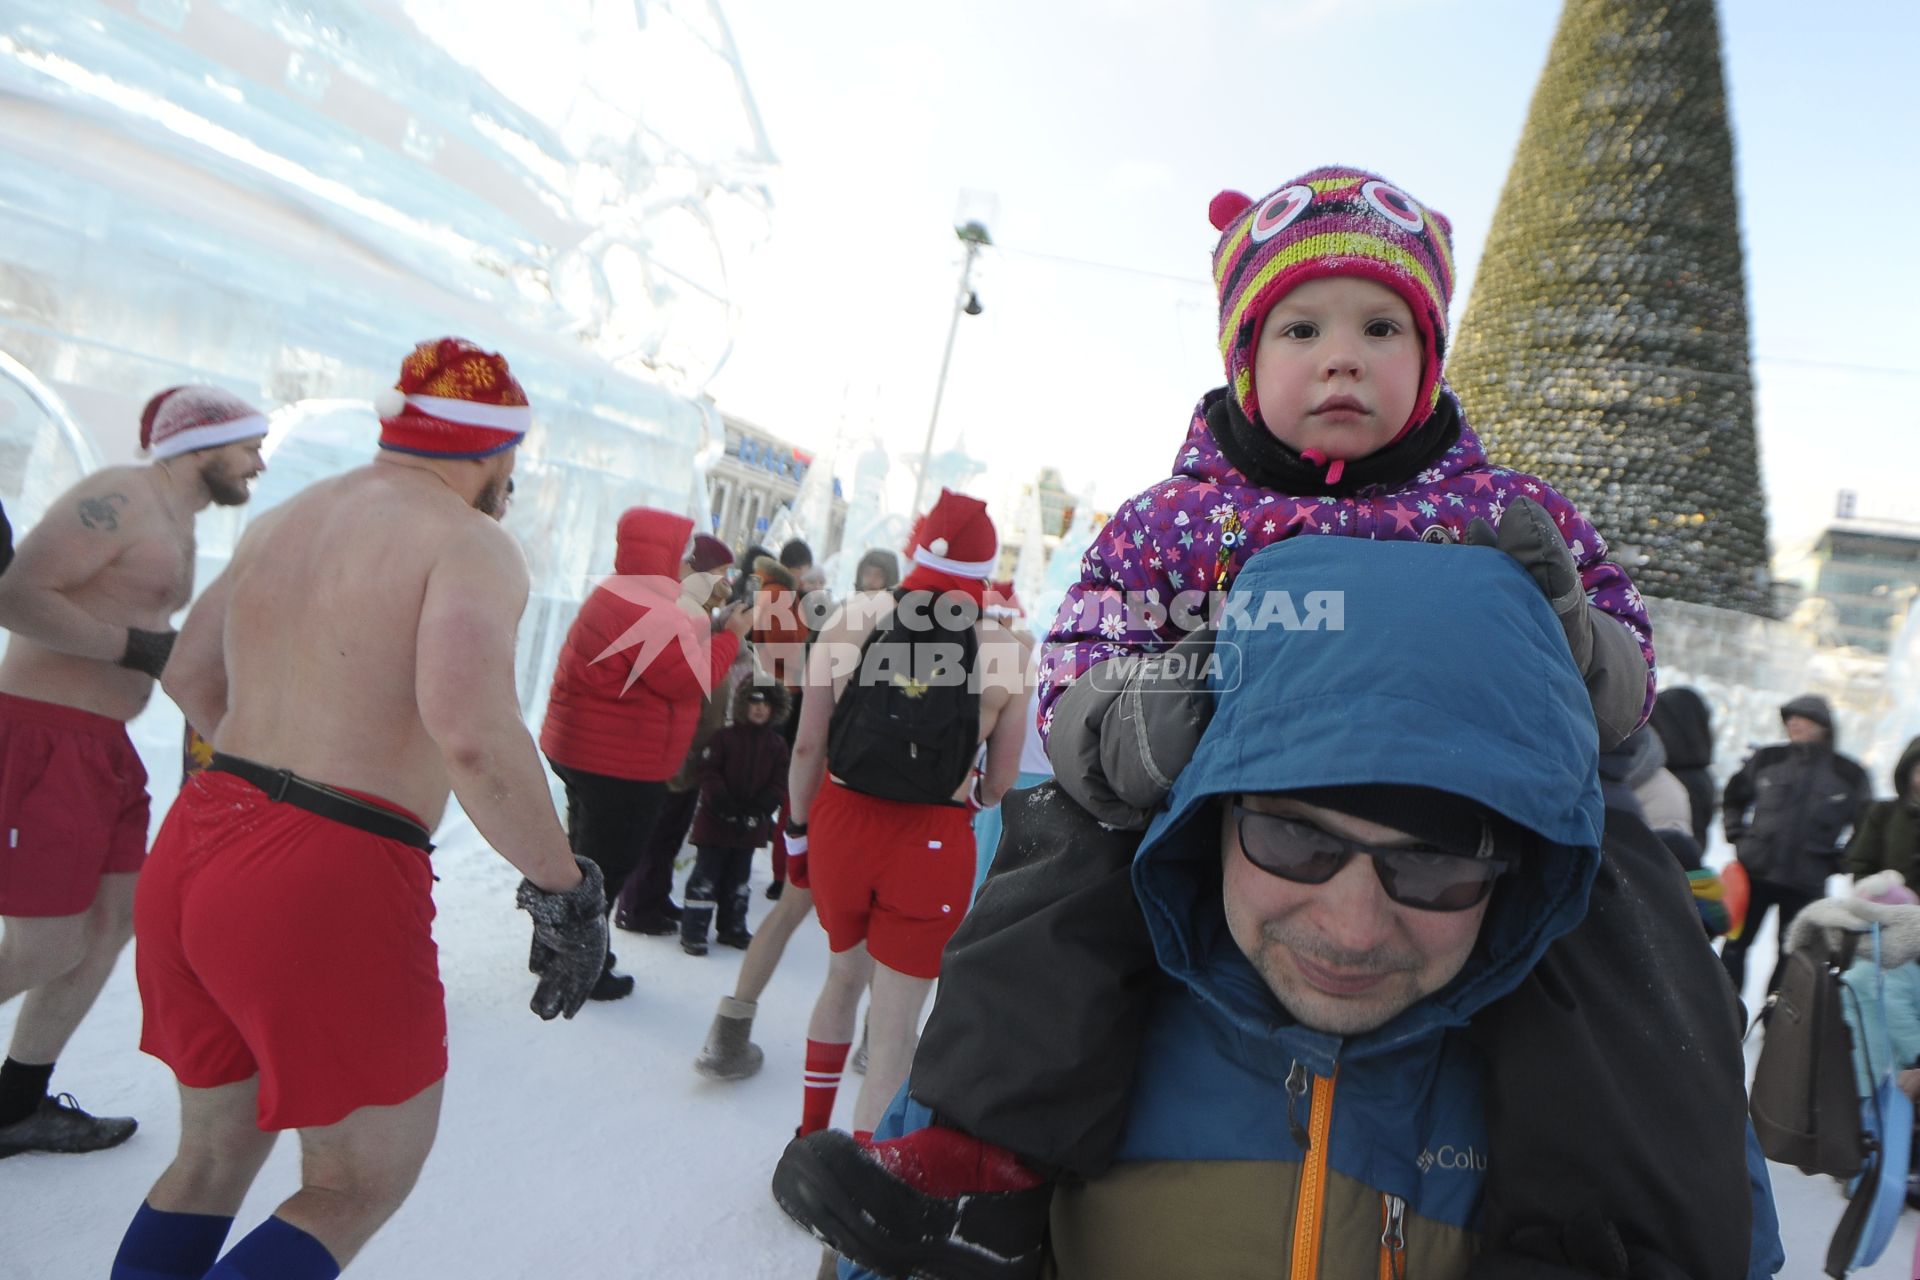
(567,1149)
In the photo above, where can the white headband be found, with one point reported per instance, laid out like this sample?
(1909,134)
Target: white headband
(211,436)
(500,417)
(958,568)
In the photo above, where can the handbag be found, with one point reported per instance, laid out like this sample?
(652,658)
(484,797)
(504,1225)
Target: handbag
(1880,1194)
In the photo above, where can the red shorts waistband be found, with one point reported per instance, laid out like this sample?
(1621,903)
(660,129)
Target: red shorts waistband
(59,714)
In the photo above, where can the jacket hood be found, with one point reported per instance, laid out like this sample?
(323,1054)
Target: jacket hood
(1637,758)
(1903,771)
(776,693)
(1685,725)
(651,543)
(1386,678)
(1899,927)
(772,573)
(1815,708)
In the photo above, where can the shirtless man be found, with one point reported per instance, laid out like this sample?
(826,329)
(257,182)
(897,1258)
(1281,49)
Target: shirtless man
(352,665)
(891,879)
(89,602)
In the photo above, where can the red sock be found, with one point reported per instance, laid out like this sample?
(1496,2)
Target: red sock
(943,1162)
(824,1064)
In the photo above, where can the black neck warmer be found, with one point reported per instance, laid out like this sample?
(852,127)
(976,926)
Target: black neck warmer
(1261,458)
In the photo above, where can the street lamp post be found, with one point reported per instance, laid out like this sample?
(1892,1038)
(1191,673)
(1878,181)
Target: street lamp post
(974,236)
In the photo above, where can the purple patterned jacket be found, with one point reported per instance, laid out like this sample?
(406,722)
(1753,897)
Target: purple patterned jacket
(1193,531)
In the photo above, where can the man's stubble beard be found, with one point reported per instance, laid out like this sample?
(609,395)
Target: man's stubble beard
(492,500)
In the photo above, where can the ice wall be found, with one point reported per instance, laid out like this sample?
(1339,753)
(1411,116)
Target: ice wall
(282,198)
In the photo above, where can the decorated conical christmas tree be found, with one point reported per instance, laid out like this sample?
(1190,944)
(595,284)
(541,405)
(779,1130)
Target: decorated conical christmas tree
(1605,344)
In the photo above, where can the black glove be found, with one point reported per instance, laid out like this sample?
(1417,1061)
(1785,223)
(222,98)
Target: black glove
(569,941)
(1528,534)
(147,651)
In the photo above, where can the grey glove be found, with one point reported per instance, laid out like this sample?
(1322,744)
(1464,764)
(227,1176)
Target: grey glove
(147,651)
(569,941)
(1126,728)
(1607,655)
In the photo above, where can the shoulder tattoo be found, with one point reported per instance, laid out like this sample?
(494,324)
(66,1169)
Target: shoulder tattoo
(102,512)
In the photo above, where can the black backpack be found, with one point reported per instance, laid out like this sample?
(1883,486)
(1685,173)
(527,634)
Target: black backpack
(1805,1102)
(907,726)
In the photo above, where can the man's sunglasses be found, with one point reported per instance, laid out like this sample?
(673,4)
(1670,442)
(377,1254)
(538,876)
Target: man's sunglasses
(1417,876)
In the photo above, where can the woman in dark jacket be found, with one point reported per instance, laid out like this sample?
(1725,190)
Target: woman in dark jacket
(1888,838)
(1685,725)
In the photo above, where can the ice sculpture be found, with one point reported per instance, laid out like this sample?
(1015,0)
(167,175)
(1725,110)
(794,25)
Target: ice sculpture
(282,198)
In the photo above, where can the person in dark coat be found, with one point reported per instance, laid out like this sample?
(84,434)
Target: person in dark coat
(743,780)
(1785,812)
(1888,838)
(1685,724)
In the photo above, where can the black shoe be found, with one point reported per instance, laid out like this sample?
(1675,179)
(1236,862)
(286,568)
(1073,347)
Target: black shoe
(671,911)
(827,1184)
(773,890)
(654,924)
(693,946)
(735,938)
(59,1125)
(611,985)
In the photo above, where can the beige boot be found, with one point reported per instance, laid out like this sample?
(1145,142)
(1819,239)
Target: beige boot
(730,1053)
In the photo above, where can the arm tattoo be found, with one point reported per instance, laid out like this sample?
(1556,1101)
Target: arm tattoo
(102,512)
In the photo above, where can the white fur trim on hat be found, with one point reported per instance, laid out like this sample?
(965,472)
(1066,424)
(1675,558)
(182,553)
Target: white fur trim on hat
(468,413)
(928,557)
(211,436)
(390,403)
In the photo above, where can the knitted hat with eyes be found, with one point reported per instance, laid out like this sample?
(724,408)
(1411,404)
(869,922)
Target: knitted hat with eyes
(1334,221)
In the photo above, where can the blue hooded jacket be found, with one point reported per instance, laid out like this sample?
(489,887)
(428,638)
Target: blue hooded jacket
(1250,1136)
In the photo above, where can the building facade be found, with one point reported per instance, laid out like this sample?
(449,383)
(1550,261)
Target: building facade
(759,474)
(1866,574)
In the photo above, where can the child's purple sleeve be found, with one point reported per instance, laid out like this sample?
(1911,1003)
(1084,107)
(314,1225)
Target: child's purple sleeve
(1118,607)
(1609,589)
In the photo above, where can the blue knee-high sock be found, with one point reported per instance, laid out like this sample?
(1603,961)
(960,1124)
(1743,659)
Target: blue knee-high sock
(169,1246)
(276,1250)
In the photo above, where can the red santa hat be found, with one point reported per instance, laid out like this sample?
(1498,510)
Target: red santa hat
(182,419)
(957,537)
(453,400)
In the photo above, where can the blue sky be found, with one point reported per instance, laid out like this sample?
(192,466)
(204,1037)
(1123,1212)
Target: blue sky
(1101,130)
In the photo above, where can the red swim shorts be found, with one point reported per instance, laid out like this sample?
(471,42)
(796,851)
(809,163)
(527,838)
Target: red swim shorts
(273,940)
(73,806)
(894,874)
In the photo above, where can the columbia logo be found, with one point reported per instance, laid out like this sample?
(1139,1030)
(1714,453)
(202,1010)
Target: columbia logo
(1451,1157)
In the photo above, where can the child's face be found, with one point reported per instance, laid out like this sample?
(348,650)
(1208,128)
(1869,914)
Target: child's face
(759,712)
(1338,367)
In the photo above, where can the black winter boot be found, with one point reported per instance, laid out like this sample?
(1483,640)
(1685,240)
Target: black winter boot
(733,920)
(694,919)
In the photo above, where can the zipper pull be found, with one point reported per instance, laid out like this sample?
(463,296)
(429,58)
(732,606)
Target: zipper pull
(1393,1240)
(1297,1089)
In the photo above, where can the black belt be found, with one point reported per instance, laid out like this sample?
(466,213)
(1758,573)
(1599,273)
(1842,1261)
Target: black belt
(283,786)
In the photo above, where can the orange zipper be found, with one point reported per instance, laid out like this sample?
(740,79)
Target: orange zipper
(1310,1213)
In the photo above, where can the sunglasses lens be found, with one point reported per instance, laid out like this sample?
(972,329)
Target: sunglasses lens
(1296,851)
(1436,881)
(1305,854)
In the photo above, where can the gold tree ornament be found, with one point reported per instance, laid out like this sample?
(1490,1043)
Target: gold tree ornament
(1605,346)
